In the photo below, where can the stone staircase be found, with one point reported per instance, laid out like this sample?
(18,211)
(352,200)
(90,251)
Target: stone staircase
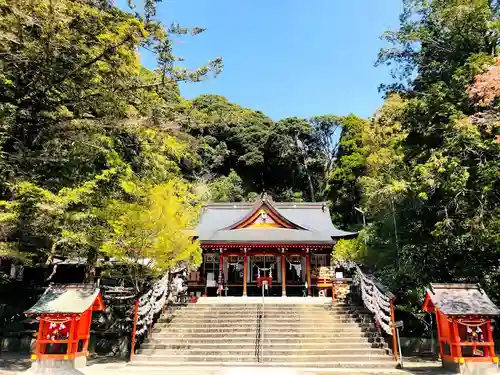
(294,335)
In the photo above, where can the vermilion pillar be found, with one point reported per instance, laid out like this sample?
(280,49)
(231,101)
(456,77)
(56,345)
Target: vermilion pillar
(308,273)
(283,275)
(394,334)
(440,334)
(245,273)
(456,340)
(489,338)
(221,266)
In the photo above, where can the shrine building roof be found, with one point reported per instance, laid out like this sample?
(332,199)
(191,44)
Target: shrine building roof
(460,299)
(266,221)
(66,299)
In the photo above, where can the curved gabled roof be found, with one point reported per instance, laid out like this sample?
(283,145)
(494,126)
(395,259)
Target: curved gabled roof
(68,299)
(309,223)
(459,300)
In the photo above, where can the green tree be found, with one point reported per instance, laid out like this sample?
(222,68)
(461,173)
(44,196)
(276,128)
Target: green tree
(78,111)
(227,189)
(343,189)
(65,60)
(149,236)
(440,183)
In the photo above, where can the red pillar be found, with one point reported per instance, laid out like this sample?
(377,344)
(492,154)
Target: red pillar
(221,265)
(489,337)
(456,340)
(333,291)
(72,346)
(308,273)
(394,336)
(438,325)
(245,273)
(134,329)
(283,275)
(40,336)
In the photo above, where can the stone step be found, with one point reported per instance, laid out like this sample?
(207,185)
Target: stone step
(270,312)
(252,330)
(251,345)
(297,335)
(269,323)
(248,369)
(266,309)
(283,317)
(288,334)
(258,307)
(277,318)
(268,350)
(291,359)
(267,314)
(351,368)
(284,308)
(258,303)
(269,309)
(268,339)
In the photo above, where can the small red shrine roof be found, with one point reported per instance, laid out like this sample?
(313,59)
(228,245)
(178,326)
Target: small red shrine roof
(459,299)
(68,299)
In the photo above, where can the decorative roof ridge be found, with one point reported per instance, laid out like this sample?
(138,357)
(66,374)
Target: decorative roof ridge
(300,204)
(271,229)
(459,286)
(259,203)
(228,204)
(74,285)
(275,204)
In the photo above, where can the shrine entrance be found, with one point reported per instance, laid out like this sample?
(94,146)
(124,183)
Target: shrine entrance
(264,266)
(295,272)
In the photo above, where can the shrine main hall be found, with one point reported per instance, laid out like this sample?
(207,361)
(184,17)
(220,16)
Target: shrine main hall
(243,243)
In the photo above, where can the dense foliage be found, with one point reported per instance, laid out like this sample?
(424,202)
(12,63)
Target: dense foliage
(97,150)
(430,184)
(83,124)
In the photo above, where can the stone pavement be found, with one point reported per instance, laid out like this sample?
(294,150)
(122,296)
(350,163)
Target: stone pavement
(416,368)
(13,365)
(13,362)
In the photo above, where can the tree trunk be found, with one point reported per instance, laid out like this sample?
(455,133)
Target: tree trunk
(91,266)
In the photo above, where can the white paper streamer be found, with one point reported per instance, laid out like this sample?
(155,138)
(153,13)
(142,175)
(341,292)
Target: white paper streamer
(151,304)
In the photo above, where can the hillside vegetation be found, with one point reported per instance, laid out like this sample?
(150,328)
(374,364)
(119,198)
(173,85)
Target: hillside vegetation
(96,149)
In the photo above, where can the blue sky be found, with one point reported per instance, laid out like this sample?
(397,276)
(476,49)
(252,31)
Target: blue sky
(287,57)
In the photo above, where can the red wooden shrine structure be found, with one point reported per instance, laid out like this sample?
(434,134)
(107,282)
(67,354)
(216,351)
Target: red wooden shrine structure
(64,313)
(463,316)
(287,242)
